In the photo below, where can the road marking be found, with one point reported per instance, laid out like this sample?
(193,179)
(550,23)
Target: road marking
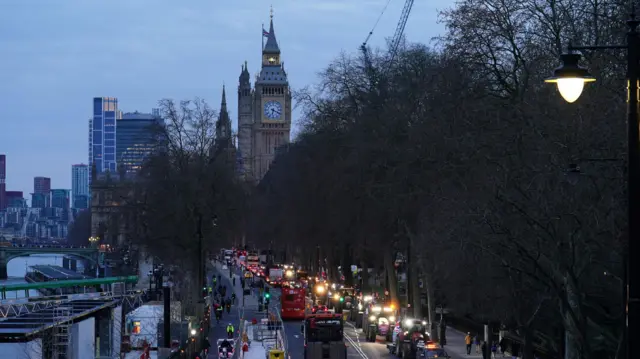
(355,345)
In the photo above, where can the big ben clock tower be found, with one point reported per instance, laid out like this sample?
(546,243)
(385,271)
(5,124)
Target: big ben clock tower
(264,113)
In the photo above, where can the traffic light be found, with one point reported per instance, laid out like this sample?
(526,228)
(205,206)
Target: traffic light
(267,295)
(204,291)
(341,299)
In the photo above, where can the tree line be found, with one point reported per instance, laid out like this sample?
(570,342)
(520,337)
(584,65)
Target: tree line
(508,203)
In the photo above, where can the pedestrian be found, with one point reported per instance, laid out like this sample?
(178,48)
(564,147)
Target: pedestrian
(476,341)
(494,350)
(485,351)
(234,281)
(467,341)
(503,346)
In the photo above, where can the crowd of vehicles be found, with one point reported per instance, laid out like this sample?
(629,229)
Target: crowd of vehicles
(323,322)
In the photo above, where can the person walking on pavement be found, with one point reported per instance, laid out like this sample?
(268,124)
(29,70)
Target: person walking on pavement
(234,280)
(467,341)
(476,341)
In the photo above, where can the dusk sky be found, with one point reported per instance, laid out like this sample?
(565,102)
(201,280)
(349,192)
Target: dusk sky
(59,54)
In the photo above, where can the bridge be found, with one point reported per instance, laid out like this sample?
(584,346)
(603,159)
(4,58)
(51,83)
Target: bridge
(9,253)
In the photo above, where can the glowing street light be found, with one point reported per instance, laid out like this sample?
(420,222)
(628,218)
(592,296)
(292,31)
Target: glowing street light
(570,77)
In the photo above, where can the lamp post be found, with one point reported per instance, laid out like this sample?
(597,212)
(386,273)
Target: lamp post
(93,241)
(570,78)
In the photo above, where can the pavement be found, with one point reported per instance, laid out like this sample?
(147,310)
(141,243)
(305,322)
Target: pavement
(456,347)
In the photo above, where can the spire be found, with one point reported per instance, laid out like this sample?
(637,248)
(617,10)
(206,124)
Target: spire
(223,125)
(245,78)
(223,105)
(271,46)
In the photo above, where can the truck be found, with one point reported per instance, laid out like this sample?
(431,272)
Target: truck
(275,276)
(324,336)
(253,261)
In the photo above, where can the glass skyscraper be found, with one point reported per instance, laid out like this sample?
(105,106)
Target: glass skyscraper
(136,138)
(80,186)
(102,134)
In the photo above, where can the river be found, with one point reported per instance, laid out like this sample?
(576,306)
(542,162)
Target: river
(17,268)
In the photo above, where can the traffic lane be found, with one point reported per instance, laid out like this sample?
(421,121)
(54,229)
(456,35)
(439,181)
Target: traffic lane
(295,341)
(357,343)
(218,330)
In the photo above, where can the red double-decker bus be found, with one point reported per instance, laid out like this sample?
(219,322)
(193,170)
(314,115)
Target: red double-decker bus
(292,303)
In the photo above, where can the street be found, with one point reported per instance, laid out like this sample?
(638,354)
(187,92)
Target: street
(357,346)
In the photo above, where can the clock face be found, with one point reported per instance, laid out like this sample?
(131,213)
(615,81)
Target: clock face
(273,110)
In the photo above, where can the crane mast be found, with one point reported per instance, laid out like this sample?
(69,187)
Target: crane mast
(395,41)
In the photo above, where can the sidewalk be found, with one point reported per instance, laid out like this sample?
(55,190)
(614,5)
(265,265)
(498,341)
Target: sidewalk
(456,347)
(256,351)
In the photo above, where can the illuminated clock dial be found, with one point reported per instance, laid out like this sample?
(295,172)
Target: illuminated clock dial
(273,110)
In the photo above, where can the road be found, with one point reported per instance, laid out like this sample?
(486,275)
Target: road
(357,347)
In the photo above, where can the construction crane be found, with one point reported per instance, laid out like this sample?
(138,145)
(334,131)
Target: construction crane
(395,41)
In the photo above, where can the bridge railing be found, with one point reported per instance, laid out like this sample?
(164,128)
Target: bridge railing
(19,306)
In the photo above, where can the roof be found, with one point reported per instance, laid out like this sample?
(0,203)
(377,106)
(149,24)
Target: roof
(57,272)
(271,47)
(272,75)
(20,328)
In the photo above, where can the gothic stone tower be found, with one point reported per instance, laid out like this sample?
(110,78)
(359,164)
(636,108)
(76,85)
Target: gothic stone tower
(264,113)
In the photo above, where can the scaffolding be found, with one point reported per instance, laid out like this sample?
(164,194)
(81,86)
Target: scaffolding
(61,332)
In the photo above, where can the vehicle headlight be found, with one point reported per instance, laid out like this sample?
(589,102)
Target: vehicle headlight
(408,322)
(376,309)
(372,318)
(336,296)
(424,322)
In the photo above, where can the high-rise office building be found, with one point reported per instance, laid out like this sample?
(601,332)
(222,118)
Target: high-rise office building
(60,198)
(42,185)
(135,138)
(102,134)
(41,200)
(15,199)
(3,177)
(80,185)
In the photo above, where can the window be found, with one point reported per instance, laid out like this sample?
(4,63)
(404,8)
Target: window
(97,137)
(109,120)
(97,150)
(98,164)
(97,123)
(109,142)
(109,136)
(289,298)
(109,157)
(97,106)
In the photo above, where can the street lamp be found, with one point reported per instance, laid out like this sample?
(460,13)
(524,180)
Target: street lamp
(570,79)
